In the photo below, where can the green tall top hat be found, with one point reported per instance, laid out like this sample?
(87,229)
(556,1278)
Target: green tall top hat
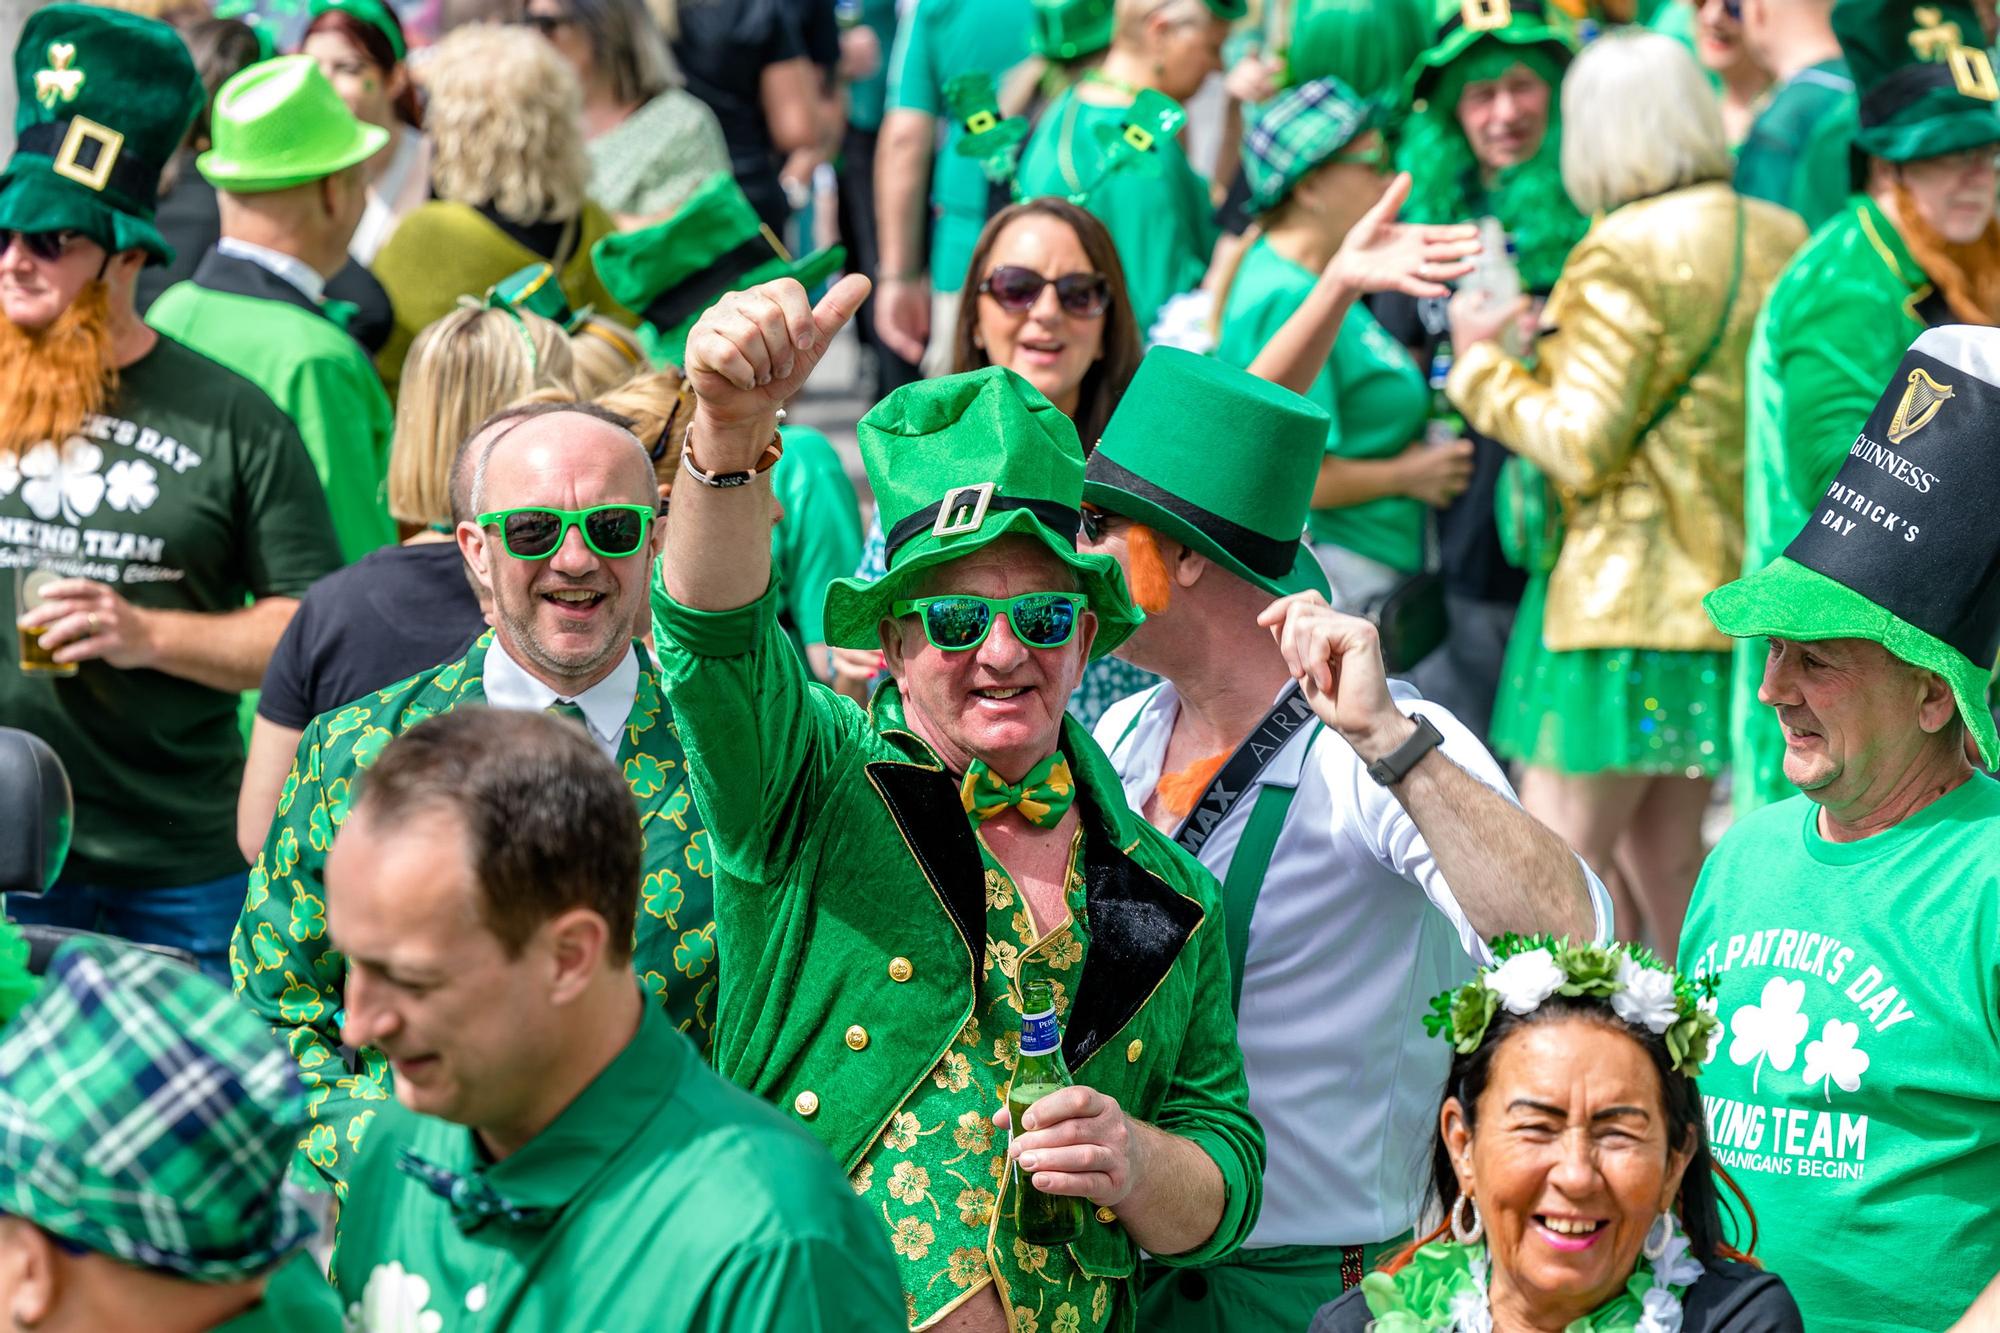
(1927,87)
(1465,24)
(103,99)
(1157,465)
(713,244)
(957,463)
(1367,44)
(1067,29)
(1903,549)
(278,124)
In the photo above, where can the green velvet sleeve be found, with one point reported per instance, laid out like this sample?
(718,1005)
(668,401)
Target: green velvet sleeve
(1833,364)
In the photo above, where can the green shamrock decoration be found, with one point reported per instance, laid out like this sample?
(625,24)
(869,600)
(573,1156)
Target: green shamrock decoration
(286,855)
(300,1003)
(695,952)
(676,809)
(661,895)
(697,855)
(289,790)
(322,1147)
(258,889)
(268,948)
(347,719)
(308,918)
(369,744)
(645,775)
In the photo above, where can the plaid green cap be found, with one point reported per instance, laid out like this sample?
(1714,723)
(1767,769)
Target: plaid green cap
(1297,132)
(148,1116)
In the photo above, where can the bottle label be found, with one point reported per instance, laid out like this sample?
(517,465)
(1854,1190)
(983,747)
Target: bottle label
(1040,1033)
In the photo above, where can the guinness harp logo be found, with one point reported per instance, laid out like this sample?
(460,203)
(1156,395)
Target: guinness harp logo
(1921,401)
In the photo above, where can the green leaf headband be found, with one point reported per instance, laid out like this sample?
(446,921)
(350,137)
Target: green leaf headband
(1641,989)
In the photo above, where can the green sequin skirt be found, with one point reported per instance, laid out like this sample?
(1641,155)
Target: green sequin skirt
(1609,710)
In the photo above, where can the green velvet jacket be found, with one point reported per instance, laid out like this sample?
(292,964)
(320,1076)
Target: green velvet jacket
(850,918)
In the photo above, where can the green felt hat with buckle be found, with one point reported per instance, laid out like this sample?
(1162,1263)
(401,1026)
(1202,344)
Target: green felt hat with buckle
(990,138)
(102,101)
(677,268)
(1902,549)
(1367,44)
(1297,132)
(146,1115)
(956,464)
(535,289)
(1927,87)
(279,124)
(1463,25)
(372,12)
(1156,465)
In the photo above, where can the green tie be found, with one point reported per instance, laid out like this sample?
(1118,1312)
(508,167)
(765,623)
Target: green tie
(1042,797)
(565,708)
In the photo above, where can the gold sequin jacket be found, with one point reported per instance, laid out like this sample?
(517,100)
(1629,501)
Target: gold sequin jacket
(1653,523)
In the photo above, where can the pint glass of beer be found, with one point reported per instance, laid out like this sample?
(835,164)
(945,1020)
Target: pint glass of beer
(29,580)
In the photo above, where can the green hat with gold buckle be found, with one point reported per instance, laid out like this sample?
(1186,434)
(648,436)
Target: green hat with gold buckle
(102,101)
(1926,84)
(956,464)
(278,124)
(1463,25)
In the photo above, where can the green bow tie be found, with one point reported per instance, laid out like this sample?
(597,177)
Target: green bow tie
(1042,797)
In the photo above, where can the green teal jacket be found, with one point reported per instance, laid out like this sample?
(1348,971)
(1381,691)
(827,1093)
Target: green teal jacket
(285,968)
(850,894)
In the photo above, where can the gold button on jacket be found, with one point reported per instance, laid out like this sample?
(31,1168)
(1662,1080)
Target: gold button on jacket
(900,970)
(1107,1215)
(806,1103)
(1134,1051)
(857,1037)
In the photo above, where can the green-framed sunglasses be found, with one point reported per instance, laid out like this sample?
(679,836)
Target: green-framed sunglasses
(959,622)
(537,532)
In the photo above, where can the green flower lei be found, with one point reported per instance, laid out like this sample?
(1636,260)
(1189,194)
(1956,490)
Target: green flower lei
(1641,989)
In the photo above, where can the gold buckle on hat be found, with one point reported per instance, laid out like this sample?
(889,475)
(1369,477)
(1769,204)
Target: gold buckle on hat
(963,509)
(1972,71)
(1485,15)
(1139,137)
(980,121)
(83,130)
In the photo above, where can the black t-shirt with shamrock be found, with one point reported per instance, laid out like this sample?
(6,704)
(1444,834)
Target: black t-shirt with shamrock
(190,492)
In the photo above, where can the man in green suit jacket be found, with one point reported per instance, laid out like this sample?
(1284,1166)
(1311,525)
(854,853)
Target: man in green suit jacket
(889,882)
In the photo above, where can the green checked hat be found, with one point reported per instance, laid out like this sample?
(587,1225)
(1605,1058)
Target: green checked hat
(102,101)
(713,244)
(278,124)
(1297,133)
(1902,549)
(1926,86)
(1156,465)
(147,1115)
(957,463)
(372,12)
(1463,25)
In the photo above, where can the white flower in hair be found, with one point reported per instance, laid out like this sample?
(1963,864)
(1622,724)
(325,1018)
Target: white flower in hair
(1525,980)
(1645,996)
(1662,1313)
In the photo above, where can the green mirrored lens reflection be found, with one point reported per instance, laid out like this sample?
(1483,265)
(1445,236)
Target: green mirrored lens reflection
(1043,621)
(956,622)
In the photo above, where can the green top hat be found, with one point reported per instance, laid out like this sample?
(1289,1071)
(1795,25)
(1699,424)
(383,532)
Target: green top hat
(535,289)
(1926,86)
(278,124)
(372,12)
(1294,135)
(1902,548)
(103,100)
(713,244)
(1466,24)
(957,463)
(992,139)
(1367,44)
(1157,465)
(146,1115)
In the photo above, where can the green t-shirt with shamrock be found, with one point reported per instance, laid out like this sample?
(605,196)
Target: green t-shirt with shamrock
(1854,1092)
(189,492)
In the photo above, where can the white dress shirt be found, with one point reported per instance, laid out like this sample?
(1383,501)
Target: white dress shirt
(293,270)
(606,706)
(1354,931)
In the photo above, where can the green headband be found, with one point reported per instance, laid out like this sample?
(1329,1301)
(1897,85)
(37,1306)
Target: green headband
(372,12)
(1489,60)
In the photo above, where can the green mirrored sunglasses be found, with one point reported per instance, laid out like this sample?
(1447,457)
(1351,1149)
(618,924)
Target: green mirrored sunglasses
(537,532)
(959,622)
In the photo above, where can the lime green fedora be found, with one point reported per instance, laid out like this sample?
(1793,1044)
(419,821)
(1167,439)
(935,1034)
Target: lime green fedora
(278,124)
(102,101)
(1157,465)
(1926,86)
(677,268)
(1465,24)
(1902,549)
(956,464)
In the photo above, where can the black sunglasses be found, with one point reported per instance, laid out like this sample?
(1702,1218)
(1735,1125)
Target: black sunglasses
(44,245)
(1085,295)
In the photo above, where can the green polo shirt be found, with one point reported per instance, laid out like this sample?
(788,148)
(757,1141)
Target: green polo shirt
(662,1199)
(1774,162)
(819,538)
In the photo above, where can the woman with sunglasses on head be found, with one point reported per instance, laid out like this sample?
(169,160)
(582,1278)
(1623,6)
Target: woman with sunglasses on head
(404,608)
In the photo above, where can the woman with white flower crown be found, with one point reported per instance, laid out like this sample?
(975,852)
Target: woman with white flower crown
(1572,1164)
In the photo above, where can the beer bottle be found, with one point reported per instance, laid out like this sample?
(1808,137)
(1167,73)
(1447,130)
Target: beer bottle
(1039,1219)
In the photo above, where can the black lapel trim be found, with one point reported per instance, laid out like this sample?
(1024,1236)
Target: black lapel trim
(218,272)
(926,807)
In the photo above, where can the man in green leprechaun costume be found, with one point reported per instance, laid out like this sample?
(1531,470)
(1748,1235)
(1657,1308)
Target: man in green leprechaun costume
(1366,841)
(887,879)
(288,168)
(156,509)
(1852,928)
(1917,246)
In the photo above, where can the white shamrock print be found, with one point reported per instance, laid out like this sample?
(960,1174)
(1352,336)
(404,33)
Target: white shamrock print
(131,485)
(1834,1058)
(1771,1029)
(10,474)
(393,1302)
(64,482)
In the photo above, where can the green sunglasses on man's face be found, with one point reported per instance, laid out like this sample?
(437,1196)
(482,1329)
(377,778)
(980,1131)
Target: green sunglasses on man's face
(537,532)
(959,622)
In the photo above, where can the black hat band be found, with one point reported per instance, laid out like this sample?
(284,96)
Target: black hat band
(1268,556)
(683,301)
(1061,519)
(1910,85)
(94,156)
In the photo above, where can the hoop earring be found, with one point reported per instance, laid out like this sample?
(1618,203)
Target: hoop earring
(1657,1236)
(1467,1233)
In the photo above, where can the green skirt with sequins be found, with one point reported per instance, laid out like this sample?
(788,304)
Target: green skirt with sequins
(1609,710)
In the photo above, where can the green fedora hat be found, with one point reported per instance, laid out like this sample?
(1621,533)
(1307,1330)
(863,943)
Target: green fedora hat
(1156,465)
(1464,24)
(1927,88)
(677,268)
(956,464)
(278,124)
(1902,549)
(102,101)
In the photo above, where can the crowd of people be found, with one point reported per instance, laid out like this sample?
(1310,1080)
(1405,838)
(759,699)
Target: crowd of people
(1400,737)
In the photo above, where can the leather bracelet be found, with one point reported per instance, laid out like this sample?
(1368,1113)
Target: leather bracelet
(729,480)
(1393,767)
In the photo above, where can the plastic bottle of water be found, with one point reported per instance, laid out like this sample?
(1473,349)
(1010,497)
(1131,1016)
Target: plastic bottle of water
(1495,277)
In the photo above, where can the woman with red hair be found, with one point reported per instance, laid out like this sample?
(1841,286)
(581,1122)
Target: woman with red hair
(361,49)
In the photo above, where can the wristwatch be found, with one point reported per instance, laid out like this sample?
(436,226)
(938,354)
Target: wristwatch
(1393,767)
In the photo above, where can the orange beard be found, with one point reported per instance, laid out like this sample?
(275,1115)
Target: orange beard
(1968,276)
(50,381)
(1150,586)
